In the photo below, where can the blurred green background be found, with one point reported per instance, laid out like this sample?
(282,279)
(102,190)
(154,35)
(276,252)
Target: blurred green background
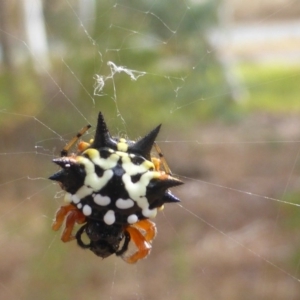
(222,77)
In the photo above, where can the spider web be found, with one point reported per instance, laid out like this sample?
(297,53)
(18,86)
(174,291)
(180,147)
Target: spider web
(143,63)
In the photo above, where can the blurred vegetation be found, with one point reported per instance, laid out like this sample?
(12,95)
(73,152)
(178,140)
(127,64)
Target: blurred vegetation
(272,88)
(184,85)
(170,45)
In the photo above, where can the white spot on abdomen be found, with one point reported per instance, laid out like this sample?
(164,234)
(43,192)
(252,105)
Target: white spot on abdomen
(101,200)
(132,219)
(109,217)
(87,210)
(124,203)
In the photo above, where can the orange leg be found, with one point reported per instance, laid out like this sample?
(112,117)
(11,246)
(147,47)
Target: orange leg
(61,214)
(82,146)
(139,240)
(75,216)
(66,149)
(156,162)
(149,228)
(72,215)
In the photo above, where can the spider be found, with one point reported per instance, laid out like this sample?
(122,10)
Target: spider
(113,186)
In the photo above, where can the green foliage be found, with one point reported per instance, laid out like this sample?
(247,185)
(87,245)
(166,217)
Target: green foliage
(291,212)
(169,44)
(20,92)
(272,88)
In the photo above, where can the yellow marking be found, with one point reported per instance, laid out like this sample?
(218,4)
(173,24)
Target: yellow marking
(136,191)
(67,198)
(148,164)
(161,208)
(104,163)
(91,178)
(91,153)
(156,175)
(125,159)
(121,154)
(133,169)
(122,145)
(83,192)
(88,165)
(97,183)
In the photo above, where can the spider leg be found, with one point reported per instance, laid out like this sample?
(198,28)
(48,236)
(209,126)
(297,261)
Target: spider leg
(72,215)
(82,146)
(60,215)
(125,245)
(65,150)
(75,216)
(149,228)
(139,240)
(79,240)
(156,161)
(161,160)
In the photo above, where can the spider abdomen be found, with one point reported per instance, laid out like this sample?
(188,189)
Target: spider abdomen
(119,187)
(113,185)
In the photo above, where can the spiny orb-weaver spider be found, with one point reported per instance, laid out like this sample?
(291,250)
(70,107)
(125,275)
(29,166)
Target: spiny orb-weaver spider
(113,186)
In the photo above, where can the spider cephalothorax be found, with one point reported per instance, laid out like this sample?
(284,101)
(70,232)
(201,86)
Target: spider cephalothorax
(113,186)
